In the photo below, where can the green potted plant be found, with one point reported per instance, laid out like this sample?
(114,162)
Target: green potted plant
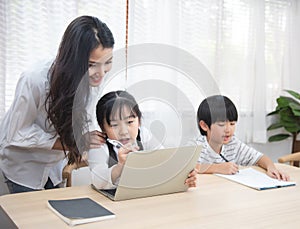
(287,114)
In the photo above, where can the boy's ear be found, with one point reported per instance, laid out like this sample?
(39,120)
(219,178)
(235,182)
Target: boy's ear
(203,125)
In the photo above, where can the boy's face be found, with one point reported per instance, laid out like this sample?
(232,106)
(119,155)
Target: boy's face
(220,132)
(125,130)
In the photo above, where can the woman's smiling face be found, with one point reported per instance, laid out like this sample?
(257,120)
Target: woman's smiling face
(100,62)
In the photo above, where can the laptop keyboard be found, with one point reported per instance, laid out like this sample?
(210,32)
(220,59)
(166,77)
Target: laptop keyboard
(110,191)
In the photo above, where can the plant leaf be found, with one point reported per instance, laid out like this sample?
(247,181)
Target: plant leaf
(274,126)
(288,111)
(293,93)
(273,112)
(286,115)
(284,101)
(296,113)
(279,137)
(295,108)
(292,129)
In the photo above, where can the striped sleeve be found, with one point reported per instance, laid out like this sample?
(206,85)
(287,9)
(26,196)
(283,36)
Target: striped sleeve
(207,155)
(246,155)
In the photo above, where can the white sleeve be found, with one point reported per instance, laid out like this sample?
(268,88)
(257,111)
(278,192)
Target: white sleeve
(23,130)
(98,164)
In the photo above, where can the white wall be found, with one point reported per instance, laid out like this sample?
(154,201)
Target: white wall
(274,150)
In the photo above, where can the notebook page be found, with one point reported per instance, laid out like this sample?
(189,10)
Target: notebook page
(255,179)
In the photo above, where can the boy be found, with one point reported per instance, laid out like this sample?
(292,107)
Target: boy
(222,152)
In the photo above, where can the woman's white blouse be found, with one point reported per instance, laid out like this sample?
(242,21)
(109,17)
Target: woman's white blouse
(26,140)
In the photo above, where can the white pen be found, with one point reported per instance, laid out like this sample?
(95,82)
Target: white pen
(115,143)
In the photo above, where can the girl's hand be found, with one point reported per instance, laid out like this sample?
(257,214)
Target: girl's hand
(124,150)
(192,178)
(96,139)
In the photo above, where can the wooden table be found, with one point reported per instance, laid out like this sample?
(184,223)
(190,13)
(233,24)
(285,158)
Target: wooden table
(215,203)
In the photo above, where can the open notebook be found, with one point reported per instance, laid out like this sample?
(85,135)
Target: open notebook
(257,180)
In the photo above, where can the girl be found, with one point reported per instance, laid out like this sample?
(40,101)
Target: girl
(119,117)
(37,130)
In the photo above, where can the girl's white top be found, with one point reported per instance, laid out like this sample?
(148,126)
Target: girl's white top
(98,160)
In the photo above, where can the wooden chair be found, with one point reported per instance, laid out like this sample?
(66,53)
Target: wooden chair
(68,169)
(291,158)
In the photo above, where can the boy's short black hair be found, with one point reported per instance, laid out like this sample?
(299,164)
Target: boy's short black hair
(216,108)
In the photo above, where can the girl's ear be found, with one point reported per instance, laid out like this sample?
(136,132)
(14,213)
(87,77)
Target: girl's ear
(203,125)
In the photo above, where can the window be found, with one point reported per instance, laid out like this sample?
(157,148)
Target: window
(246,50)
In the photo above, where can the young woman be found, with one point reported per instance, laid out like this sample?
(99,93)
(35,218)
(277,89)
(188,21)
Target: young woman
(38,131)
(119,117)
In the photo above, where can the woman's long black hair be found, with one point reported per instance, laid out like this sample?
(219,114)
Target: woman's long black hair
(69,71)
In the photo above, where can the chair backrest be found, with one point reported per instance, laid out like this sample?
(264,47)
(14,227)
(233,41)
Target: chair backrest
(68,169)
(291,158)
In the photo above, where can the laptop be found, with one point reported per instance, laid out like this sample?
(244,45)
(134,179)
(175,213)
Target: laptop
(154,172)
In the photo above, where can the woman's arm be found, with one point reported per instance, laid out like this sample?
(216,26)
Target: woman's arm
(26,120)
(57,145)
(97,139)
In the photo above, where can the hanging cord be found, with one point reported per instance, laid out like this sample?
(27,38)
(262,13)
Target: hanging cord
(126,40)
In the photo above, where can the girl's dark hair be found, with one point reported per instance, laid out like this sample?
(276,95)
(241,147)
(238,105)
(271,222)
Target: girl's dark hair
(68,71)
(216,108)
(113,104)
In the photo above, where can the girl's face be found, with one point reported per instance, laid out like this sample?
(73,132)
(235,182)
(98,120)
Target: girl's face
(125,130)
(100,63)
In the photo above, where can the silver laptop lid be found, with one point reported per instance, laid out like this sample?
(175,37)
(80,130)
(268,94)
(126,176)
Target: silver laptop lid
(156,172)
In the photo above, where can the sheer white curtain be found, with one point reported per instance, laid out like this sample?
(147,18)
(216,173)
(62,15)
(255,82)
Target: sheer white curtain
(32,29)
(250,48)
